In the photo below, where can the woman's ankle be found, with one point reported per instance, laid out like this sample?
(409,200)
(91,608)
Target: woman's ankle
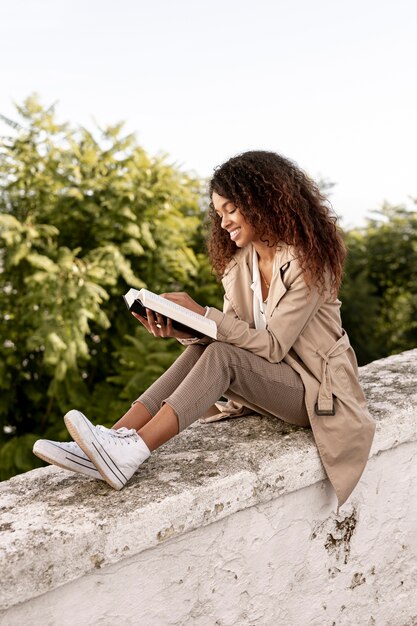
(160,429)
(136,417)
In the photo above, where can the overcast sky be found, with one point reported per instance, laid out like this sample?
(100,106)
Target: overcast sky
(330,84)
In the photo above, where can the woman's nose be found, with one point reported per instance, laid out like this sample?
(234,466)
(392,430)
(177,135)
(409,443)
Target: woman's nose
(225,221)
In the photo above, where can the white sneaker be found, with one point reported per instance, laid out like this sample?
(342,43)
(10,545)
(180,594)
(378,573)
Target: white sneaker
(116,454)
(67,455)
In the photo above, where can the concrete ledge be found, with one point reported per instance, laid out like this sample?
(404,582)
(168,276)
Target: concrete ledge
(56,527)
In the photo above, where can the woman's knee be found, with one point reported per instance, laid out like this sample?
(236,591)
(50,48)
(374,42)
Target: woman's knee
(191,354)
(195,348)
(219,349)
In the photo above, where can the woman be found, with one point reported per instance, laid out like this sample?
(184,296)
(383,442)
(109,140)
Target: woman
(280,348)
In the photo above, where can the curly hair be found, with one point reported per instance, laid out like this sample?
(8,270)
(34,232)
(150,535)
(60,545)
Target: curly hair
(284,206)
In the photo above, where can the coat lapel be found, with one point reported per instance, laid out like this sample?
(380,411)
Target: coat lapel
(278,288)
(238,278)
(236,282)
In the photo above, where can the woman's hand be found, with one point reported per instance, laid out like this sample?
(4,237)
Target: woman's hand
(182,298)
(158,326)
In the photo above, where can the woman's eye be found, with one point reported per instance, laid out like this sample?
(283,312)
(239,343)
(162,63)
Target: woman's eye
(227,213)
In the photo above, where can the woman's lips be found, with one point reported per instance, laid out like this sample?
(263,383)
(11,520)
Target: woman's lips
(234,234)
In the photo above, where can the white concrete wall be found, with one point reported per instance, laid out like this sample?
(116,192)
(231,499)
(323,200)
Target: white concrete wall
(241,550)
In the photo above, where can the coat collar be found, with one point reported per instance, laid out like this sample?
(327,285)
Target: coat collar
(243,256)
(237,277)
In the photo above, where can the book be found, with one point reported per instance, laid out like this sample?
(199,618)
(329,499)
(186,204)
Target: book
(138,300)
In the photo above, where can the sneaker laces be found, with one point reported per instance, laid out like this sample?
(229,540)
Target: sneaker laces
(120,435)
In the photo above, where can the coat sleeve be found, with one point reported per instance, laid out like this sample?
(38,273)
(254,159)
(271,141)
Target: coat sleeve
(227,308)
(294,310)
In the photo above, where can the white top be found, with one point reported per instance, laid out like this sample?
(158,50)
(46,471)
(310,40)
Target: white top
(259,305)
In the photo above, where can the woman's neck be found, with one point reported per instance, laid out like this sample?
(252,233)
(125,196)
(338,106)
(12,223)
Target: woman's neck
(266,254)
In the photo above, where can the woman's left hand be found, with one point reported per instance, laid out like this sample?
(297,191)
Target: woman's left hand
(182,298)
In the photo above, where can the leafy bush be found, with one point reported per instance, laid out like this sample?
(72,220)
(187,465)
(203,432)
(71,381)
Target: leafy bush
(85,215)
(82,218)
(379,292)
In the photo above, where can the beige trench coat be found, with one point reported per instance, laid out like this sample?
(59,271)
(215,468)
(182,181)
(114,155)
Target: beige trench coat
(304,330)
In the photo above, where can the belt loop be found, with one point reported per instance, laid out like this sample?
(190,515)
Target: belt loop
(325,403)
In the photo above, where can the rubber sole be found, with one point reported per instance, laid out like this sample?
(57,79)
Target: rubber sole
(51,461)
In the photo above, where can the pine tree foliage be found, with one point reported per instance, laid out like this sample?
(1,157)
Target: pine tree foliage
(83,216)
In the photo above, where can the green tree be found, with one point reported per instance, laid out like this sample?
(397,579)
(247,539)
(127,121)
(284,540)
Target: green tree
(83,216)
(379,292)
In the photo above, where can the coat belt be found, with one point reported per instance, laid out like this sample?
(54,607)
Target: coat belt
(324,404)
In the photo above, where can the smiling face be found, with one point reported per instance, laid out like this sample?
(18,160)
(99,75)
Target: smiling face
(232,220)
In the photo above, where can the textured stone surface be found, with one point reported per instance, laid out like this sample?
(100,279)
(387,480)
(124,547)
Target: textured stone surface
(56,527)
(287,562)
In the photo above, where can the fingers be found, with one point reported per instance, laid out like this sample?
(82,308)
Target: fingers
(182,298)
(142,320)
(161,325)
(152,325)
(157,324)
(176,296)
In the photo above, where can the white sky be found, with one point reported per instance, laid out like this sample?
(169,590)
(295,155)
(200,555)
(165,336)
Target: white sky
(330,84)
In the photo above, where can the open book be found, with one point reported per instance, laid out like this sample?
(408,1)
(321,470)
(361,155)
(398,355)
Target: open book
(182,319)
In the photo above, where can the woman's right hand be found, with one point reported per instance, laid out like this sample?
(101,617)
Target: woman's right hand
(155,324)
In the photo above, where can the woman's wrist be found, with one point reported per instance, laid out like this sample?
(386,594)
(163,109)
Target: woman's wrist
(187,341)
